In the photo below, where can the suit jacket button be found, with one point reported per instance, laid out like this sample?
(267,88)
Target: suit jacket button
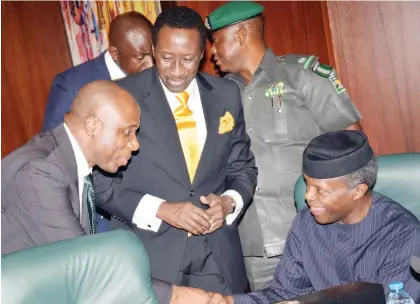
(192,193)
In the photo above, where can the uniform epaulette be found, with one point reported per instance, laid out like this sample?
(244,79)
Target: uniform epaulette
(304,61)
(307,62)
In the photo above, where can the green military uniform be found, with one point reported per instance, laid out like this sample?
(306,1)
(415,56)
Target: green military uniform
(290,100)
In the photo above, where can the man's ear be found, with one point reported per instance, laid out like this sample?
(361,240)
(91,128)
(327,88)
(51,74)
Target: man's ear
(360,191)
(113,51)
(202,55)
(241,34)
(153,52)
(91,125)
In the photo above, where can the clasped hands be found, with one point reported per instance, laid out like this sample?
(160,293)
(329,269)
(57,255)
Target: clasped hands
(186,216)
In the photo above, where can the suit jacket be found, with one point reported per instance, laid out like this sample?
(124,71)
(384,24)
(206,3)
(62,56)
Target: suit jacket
(66,85)
(40,197)
(39,193)
(159,169)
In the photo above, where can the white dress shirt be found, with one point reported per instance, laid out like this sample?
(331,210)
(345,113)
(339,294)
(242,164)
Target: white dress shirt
(145,214)
(113,69)
(82,165)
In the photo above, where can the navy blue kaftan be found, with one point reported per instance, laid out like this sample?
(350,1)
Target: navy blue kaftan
(317,257)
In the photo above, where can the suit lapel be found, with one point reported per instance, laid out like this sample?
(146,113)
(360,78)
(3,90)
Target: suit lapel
(67,160)
(158,106)
(212,112)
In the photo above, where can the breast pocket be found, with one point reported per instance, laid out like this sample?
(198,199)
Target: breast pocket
(223,148)
(275,121)
(301,126)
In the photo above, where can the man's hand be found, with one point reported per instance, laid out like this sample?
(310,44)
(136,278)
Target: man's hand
(185,216)
(217,298)
(182,295)
(220,207)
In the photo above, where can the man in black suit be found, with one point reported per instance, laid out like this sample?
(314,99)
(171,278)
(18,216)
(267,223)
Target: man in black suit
(194,175)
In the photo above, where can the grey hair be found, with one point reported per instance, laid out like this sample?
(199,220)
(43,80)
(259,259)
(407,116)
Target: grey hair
(365,175)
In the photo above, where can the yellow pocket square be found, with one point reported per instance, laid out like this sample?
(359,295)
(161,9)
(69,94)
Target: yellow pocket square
(226,123)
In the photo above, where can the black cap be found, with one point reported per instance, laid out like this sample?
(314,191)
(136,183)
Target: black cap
(336,154)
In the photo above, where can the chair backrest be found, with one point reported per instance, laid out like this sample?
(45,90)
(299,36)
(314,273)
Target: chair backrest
(398,178)
(110,267)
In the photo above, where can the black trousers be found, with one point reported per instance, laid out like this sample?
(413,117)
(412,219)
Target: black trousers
(199,269)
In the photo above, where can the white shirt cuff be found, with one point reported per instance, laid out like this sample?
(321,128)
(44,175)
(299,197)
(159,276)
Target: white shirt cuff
(145,215)
(239,204)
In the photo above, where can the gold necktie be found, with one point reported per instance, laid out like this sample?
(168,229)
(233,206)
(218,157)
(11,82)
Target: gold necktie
(185,124)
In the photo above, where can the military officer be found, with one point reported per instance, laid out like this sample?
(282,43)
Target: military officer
(287,100)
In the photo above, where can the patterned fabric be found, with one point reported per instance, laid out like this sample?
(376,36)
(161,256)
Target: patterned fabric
(317,257)
(186,126)
(89,201)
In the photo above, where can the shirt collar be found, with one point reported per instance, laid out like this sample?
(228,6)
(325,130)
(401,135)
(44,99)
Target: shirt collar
(83,168)
(114,70)
(267,65)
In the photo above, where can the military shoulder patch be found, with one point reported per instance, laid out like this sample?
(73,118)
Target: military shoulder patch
(336,82)
(322,70)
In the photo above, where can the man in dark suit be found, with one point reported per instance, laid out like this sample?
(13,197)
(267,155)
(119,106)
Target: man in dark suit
(130,52)
(130,47)
(194,175)
(46,184)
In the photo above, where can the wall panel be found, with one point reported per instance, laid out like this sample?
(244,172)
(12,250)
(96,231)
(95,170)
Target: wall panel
(377,47)
(34,49)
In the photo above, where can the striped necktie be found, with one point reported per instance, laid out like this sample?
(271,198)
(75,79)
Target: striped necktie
(89,201)
(186,126)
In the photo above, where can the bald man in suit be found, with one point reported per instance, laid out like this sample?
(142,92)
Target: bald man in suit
(46,192)
(45,182)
